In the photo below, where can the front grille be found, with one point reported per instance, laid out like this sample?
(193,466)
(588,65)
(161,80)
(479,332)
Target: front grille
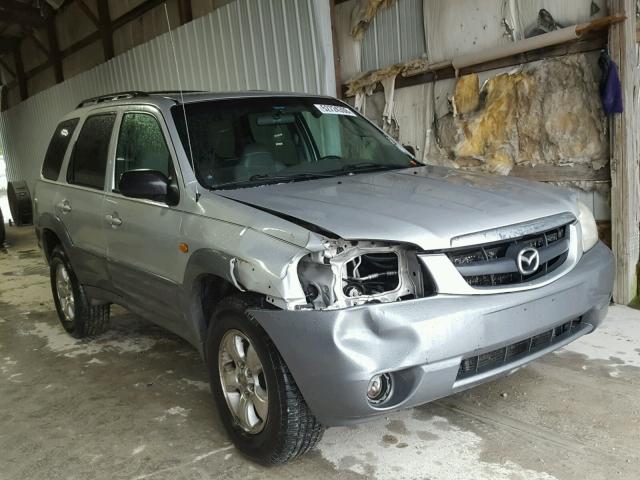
(502,356)
(495,264)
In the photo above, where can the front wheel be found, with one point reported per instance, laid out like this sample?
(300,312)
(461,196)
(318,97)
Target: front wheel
(258,400)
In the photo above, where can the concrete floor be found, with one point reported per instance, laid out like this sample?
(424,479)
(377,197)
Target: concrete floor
(135,404)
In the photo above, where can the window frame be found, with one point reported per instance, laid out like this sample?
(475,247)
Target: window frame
(68,149)
(111,166)
(117,143)
(68,163)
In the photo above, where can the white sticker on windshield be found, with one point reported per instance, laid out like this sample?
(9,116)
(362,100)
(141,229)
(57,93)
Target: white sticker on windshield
(334,110)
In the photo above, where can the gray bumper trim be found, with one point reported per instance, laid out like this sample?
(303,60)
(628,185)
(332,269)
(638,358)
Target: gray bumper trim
(333,354)
(474,380)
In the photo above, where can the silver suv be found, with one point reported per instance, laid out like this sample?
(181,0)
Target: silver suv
(325,275)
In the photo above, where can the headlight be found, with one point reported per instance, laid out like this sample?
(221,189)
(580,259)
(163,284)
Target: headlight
(588,227)
(354,273)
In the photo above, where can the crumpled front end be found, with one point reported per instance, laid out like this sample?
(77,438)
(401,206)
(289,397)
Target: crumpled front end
(435,345)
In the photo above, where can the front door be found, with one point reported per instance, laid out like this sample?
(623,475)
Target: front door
(143,236)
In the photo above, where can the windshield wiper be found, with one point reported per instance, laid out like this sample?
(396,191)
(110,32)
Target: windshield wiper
(266,179)
(294,176)
(368,167)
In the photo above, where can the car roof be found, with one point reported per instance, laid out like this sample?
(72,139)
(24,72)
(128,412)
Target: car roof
(169,98)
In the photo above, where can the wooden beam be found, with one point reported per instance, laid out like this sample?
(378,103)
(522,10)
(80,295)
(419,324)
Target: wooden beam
(80,44)
(557,173)
(106,29)
(9,70)
(88,12)
(13,11)
(185,12)
(625,173)
(20,75)
(41,46)
(54,50)
(136,12)
(590,42)
(601,23)
(119,22)
(95,36)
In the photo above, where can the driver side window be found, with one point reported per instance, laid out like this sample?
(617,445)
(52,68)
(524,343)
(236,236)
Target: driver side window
(141,145)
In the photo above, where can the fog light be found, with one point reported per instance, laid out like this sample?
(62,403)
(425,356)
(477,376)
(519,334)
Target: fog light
(379,388)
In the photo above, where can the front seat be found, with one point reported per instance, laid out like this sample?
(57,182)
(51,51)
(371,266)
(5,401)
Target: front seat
(256,160)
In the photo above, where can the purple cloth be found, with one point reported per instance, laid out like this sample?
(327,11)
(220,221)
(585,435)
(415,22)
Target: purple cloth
(611,90)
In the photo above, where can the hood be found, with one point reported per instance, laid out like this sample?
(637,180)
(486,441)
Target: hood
(424,206)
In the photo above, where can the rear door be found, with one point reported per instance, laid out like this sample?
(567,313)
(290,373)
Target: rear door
(143,236)
(80,200)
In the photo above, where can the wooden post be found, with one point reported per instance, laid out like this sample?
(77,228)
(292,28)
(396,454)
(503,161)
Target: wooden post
(336,50)
(54,49)
(20,75)
(106,29)
(4,99)
(625,175)
(185,11)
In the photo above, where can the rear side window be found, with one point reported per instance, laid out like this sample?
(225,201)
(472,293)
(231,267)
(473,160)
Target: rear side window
(89,159)
(57,148)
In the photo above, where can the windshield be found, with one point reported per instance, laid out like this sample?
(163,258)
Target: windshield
(247,142)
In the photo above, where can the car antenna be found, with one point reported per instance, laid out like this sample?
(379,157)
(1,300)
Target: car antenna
(184,110)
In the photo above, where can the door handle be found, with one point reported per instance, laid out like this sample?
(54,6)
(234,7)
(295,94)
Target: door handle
(114,220)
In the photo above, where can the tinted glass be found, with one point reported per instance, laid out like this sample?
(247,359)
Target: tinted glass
(57,149)
(89,160)
(141,145)
(262,140)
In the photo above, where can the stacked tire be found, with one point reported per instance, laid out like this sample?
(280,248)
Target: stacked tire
(2,231)
(20,203)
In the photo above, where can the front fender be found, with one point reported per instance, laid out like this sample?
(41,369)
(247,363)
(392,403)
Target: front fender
(252,261)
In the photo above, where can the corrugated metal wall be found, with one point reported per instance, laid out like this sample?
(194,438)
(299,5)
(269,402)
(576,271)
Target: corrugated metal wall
(459,27)
(268,44)
(395,35)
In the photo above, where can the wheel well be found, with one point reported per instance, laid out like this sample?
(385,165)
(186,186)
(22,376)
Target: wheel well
(212,289)
(49,242)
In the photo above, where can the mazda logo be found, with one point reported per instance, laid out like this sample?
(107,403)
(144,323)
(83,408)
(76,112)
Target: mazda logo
(528,260)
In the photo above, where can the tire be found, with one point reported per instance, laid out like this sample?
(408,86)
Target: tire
(20,203)
(289,429)
(78,317)
(2,230)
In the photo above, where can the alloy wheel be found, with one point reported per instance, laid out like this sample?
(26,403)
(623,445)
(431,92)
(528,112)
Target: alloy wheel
(64,291)
(243,381)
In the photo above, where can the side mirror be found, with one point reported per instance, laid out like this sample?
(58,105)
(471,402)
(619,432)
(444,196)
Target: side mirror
(149,184)
(410,149)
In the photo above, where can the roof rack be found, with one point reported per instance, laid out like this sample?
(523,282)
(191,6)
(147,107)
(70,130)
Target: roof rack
(111,97)
(172,92)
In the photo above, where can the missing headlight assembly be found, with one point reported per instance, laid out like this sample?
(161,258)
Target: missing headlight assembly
(353,273)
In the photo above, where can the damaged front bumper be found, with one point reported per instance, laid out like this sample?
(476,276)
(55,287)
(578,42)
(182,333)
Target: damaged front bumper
(422,343)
